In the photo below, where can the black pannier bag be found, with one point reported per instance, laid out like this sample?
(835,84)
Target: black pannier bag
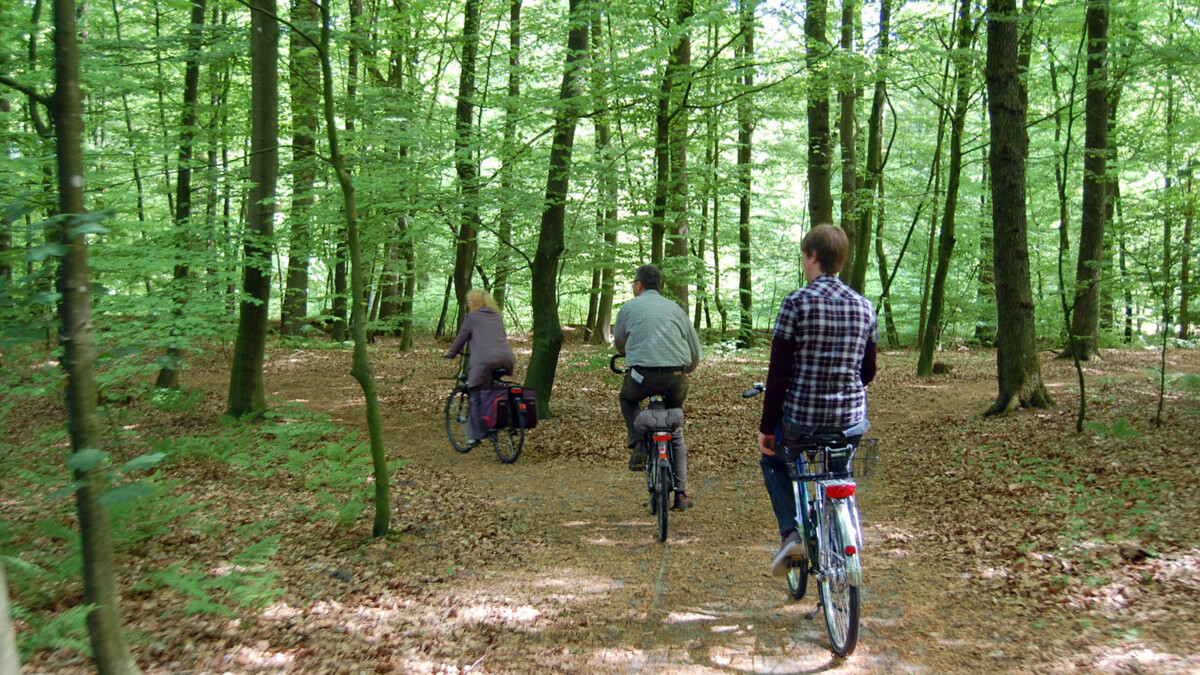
(495,406)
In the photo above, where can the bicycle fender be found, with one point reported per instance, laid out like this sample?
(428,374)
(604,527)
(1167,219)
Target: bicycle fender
(850,534)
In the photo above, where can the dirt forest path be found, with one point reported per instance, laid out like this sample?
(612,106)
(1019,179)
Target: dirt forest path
(552,565)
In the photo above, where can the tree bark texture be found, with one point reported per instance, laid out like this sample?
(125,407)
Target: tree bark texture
(745,168)
(168,375)
(963,85)
(820,155)
(305,71)
(246,392)
(547,331)
(679,272)
(76,334)
(361,368)
(1019,375)
(1085,319)
(464,160)
(875,157)
(511,148)
(848,138)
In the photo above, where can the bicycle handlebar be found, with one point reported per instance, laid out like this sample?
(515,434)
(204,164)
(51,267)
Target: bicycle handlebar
(758,388)
(612,364)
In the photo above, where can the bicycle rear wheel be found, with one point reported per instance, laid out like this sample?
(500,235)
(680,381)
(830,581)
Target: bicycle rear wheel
(839,598)
(662,494)
(509,440)
(458,409)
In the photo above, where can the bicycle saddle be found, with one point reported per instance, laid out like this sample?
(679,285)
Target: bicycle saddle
(500,372)
(649,419)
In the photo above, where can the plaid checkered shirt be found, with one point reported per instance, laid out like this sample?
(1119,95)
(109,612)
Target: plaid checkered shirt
(829,326)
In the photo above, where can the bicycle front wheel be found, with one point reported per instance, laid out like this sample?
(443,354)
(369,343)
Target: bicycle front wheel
(839,597)
(509,440)
(662,494)
(797,579)
(458,409)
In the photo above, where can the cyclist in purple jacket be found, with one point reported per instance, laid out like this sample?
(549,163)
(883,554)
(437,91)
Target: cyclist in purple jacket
(482,331)
(822,357)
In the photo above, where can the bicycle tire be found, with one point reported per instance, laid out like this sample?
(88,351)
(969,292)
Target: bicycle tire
(509,440)
(661,496)
(797,580)
(839,598)
(458,411)
(651,472)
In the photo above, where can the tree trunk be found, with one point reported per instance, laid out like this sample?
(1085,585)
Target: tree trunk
(9,663)
(464,160)
(304,74)
(409,257)
(246,393)
(601,58)
(168,376)
(109,649)
(511,148)
(361,368)
(678,272)
(341,298)
(745,174)
(962,76)
(1019,374)
(875,159)
(662,168)
(848,137)
(1189,209)
(820,157)
(1085,319)
(885,298)
(547,332)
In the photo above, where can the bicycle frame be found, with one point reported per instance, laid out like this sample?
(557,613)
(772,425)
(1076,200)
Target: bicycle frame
(828,490)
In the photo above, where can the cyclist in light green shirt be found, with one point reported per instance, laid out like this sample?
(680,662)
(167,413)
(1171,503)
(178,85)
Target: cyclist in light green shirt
(660,347)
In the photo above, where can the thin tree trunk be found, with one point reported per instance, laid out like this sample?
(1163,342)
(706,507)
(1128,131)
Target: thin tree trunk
(848,137)
(464,160)
(601,57)
(963,80)
(1184,284)
(109,649)
(547,331)
(247,396)
(1019,375)
(745,175)
(507,185)
(361,368)
(168,375)
(662,168)
(875,159)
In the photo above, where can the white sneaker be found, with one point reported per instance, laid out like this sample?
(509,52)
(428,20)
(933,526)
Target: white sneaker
(791,549)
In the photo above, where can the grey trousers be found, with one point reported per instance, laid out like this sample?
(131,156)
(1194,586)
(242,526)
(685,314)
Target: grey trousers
(674,386)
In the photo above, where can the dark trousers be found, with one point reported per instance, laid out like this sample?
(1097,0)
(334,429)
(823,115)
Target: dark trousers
(674,385)
(777,481)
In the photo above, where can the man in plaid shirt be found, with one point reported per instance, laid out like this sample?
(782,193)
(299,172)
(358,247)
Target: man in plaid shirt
(822,358)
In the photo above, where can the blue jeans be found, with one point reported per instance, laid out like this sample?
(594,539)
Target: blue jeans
(775,473)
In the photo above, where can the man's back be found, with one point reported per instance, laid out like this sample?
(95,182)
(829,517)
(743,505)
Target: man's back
(653,331)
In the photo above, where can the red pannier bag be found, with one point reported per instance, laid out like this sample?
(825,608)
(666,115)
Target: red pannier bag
(495,406)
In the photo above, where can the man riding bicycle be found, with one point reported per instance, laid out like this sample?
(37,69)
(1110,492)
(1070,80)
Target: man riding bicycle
(660,347)
(822,357)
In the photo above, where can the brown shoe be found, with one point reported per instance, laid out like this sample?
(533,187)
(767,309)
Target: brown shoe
(682,502)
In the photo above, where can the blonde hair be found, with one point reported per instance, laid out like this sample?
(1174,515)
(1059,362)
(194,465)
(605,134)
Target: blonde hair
(481,298)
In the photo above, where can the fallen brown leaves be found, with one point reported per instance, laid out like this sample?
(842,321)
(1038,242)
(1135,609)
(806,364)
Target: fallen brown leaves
(548,565)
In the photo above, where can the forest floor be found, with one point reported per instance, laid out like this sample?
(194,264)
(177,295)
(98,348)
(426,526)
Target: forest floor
(993,545)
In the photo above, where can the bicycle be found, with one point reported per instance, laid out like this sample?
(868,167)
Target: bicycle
(660,425)
(509,437)
(821,467)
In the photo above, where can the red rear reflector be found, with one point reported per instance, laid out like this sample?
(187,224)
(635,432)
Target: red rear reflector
(522,405)
(839,491)
(662,438)
(851,550)
(514,390)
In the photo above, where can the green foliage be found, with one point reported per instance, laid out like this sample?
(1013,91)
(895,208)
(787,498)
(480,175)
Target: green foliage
(1120,428)
(62,630)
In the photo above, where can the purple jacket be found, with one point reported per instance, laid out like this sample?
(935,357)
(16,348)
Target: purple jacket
(483,332)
